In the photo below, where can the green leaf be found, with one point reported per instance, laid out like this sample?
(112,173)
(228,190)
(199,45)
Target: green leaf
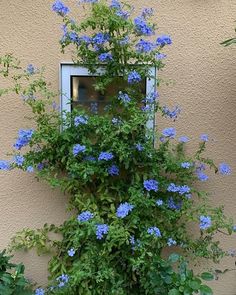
(207,276)
(174,292)
(205,290)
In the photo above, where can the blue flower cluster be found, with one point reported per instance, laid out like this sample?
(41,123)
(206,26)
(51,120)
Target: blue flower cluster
(171,242)
(205,222)
(169,132)
(85,216)
(115,4)
(186,165)
(151,97)
(100,38)
(5,165)
(60,8)
(101,230)
(77,149)
(71,252)
(105,156)
(30,69)
(154,231)
(142,27)
(39,291)
(62,280)
(183,139)
(204,137)
(144,46)
(134,77)
(181,189)
(81,120)
(18,160)
(151,185)
(105,57)
(164,40)
(171,114)
(147,12)
(124,97)
(224,169)
(24,137)
(124,209)
(113,170)
(139,147)
(159,202)
(30,169)
(173,205)
(202,176)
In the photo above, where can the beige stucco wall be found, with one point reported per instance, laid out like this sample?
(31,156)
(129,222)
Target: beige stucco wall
(204,75)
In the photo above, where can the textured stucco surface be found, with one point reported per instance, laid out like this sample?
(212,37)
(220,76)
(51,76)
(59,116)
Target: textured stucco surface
(203,76)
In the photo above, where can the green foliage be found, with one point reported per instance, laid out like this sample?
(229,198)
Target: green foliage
(12,280)
(128,259)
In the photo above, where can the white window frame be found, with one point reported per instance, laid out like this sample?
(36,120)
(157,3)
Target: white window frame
(68,69)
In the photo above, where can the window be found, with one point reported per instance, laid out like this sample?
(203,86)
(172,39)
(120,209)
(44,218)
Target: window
(77,89)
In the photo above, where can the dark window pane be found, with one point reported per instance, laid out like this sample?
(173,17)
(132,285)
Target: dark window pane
(84,95)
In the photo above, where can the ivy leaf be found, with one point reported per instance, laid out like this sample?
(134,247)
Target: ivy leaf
(207,276)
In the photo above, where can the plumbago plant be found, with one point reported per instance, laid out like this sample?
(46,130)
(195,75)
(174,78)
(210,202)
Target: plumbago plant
(129,199)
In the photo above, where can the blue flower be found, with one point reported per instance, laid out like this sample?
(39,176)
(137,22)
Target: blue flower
(159,202)
(105,156)
(73,36)
(234,228)
(205,222)
(5,165)
(144,46)
(154,231)
(186,165)
(19,160)
(101,38)
(171,114)
(134,77)
(85,216)
(183,139)
(147,12)
(24,137)
(151,97)
(71,252)
(81,120)
(115,4)
(202,176)
(78,149)
(113,170)
(124,41)
(183,189)
(142,27)
(62,280)
(124,97)
(173,205)
(116,121)
(105,57)
(151,185)
(169,132)
(204,137)
(101,230)
(30,69)
(171,242)
(139,147)
(30,169)
(224,169)
(164,40)
(90,158)
(40,166)
(132,240)
(60,8)
(123,210)
(39,291)
(122,14)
